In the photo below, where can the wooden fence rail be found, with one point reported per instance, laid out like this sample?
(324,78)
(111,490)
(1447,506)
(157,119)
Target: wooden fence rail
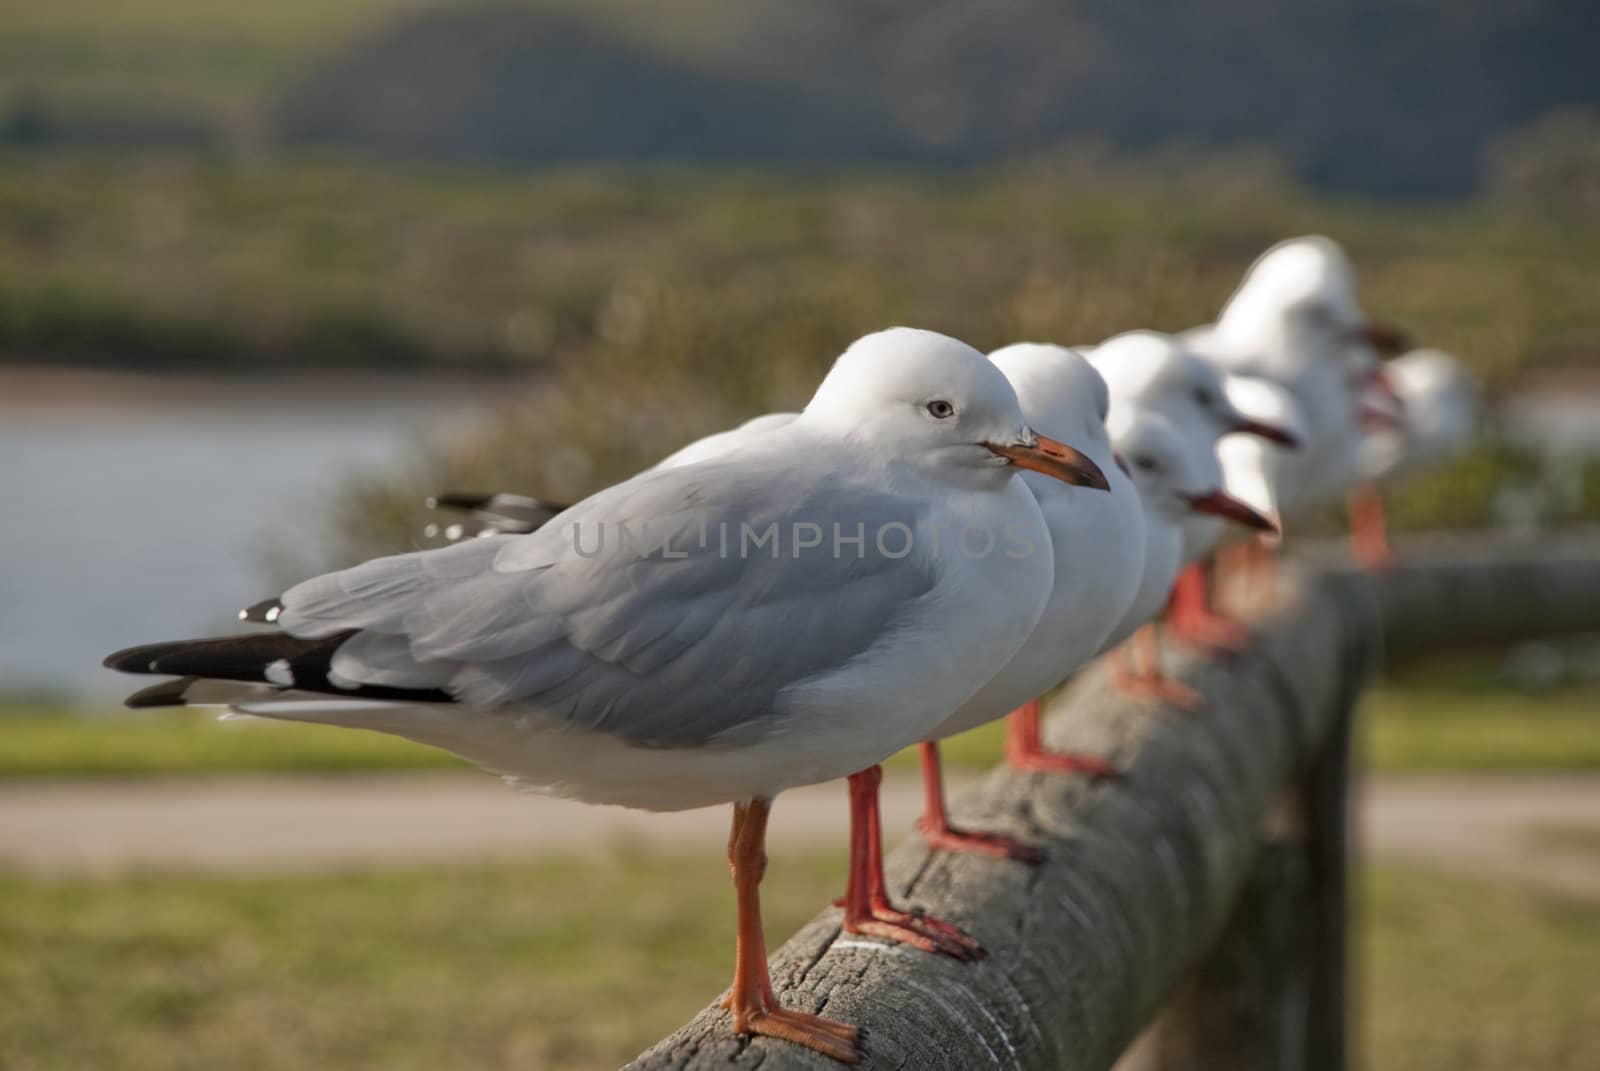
(1208,887)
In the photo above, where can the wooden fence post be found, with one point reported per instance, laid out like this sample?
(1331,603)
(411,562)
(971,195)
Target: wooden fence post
(1327,903)
(1242,1006)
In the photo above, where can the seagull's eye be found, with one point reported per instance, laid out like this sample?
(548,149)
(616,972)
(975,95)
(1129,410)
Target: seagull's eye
(940,409)
(1202,397)
(1145,463)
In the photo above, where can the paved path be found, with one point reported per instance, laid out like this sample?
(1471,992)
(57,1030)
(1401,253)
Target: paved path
(1486,824)
(1513,825)
(278,823)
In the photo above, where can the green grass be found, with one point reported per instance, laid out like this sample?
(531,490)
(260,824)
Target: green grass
(165,743)
(1425,727)
(1412,726)
(147,744)
(560,965)
(1415,726)
(564,966)
(1468,975)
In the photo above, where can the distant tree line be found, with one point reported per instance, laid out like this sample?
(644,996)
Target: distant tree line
(1371,96)
(1407,97)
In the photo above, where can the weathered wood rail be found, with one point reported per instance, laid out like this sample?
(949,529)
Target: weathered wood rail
(1206,888)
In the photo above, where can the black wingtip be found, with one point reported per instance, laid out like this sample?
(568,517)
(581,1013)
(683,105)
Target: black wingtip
(139,659)
(153,657)
(166,694)
(265,612)
(459,500)
(271,658)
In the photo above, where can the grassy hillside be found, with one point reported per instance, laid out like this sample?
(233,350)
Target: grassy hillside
(106,257)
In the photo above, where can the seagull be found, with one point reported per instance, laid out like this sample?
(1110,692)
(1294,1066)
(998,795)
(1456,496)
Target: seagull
(1099,557)
(1161,373)
(1062,395)
(1296,319)
(1177,480)
(1436,419)
(696,666)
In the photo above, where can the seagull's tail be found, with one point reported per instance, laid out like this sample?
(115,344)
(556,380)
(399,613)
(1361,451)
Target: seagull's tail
(256,670)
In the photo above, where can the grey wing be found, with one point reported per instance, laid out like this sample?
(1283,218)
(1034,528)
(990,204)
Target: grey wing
(723,443)
(685,634)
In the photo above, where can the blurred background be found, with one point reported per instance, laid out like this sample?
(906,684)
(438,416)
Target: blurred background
(270,274)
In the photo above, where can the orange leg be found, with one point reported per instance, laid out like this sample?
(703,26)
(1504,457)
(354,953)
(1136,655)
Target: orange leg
(1192,618)
(867,909)
(1369,529)
(1025,748)
(939,833)
(1149,681)
(751,1000)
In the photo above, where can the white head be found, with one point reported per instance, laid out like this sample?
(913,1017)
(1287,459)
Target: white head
(1175,478)
(1061,393)
(1297,307)
(1156,372)
(1436,403)
(1427,372)
(939,405)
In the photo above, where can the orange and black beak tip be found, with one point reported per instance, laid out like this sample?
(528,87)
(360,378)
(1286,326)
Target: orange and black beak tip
(1219,503)
(1055,459)
(1270,432)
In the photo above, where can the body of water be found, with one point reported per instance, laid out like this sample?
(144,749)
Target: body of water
(129,520)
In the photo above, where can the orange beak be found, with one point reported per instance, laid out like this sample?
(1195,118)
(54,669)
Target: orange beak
(1221,504)
(1270,432)
(1053,459)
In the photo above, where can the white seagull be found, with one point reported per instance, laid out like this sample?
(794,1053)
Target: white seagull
(1436,418)
(1178,479)
(1160,373)
(694,668)
(1099,560)
(1296,319)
